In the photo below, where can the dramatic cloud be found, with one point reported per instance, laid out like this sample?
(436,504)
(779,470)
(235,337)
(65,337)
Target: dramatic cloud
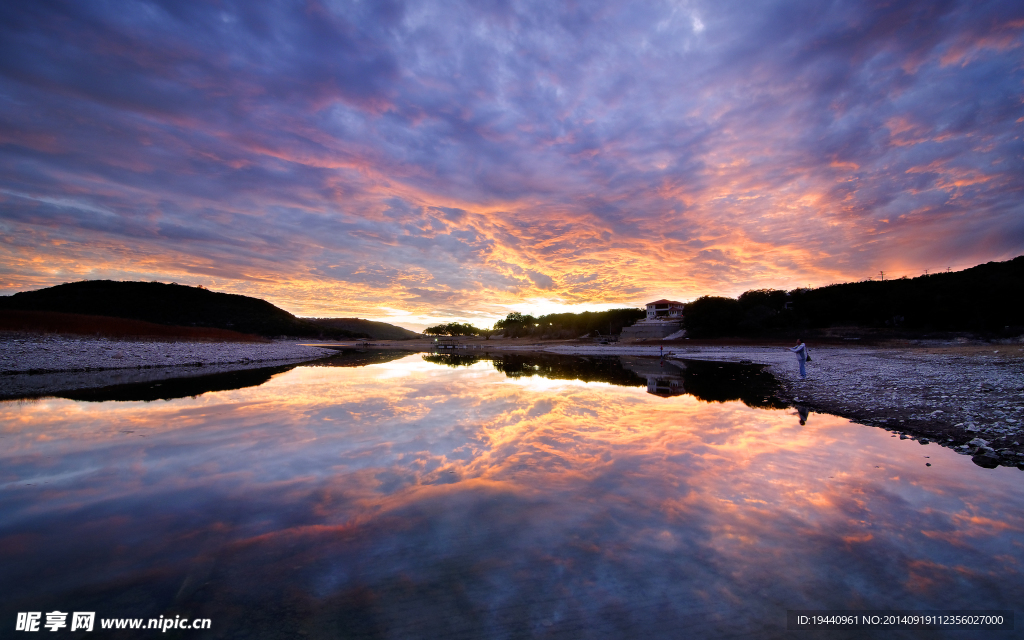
(426,160)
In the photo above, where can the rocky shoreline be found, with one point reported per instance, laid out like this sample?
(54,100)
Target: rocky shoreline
(32,366)
(966,397)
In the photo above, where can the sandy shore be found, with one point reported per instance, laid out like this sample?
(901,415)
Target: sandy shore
(968,397)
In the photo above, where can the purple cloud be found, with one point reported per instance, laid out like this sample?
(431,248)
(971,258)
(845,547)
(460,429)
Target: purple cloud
(451,159)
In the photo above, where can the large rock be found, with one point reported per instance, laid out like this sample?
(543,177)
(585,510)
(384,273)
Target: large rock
(987,460)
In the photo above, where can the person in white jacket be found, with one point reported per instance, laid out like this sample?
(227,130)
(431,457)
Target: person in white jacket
(801,356)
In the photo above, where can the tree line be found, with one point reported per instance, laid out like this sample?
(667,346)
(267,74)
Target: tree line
(452,329)
(985,299)
(549,326)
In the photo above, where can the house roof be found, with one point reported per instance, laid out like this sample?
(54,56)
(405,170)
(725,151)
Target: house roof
(664,302)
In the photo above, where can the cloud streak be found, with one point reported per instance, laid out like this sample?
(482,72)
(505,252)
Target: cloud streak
(451,160)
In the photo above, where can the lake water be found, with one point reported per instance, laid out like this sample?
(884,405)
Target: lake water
(516,497)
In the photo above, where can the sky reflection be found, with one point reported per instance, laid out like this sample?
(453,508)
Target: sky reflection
(410,499)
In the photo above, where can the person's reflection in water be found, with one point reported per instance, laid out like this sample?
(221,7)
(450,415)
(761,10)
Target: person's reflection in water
(803,412)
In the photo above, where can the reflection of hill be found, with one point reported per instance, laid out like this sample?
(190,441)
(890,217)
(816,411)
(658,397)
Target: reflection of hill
(358,358)
(556,367)
(726,381)
(587,369)
(663,378)
(707,381)
(171,388)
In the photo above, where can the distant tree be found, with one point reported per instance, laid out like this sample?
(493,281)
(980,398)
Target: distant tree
(712,316)
(465,329)
(568,325)
(771,298)
(763,309)
(574,325)
(452,329)
(516,324)
(513,319)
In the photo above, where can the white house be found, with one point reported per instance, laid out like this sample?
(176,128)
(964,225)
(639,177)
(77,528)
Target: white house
(664,318)
(665,310)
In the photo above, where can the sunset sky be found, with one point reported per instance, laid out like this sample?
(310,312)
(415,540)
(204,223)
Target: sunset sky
(433,161)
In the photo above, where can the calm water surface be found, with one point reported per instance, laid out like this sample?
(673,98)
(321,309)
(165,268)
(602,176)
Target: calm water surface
(485,500)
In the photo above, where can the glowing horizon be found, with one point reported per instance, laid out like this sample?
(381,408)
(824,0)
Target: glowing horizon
(428,162)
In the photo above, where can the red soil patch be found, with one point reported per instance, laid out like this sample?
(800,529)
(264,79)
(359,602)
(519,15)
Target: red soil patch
(106,327)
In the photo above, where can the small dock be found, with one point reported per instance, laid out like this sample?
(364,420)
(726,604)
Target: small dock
(448,344)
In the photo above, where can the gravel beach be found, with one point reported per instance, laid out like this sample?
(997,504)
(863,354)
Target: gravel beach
(968,397)
(38,365)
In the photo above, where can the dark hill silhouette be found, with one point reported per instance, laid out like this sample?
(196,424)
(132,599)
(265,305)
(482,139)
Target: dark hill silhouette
(984,299)
(171,304)
(117,328)
(376,330)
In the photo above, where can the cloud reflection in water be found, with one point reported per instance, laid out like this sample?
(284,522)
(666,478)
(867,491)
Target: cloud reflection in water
(406,498)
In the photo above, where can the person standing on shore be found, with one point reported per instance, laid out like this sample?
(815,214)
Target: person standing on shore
(801,356)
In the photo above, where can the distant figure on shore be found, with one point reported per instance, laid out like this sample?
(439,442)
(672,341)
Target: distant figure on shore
(803,412)
(801,356)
